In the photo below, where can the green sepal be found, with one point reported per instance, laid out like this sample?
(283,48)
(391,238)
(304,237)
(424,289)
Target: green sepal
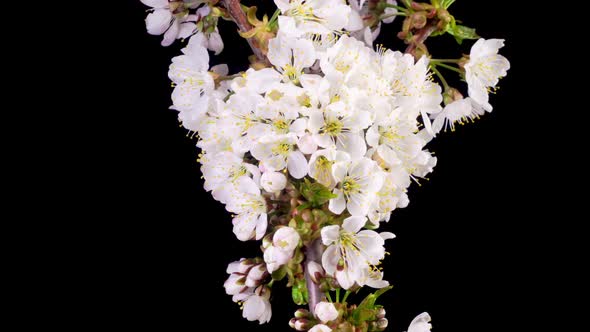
(315,193)
(299,292)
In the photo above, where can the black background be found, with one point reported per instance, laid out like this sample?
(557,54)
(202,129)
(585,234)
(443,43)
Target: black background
(463,248)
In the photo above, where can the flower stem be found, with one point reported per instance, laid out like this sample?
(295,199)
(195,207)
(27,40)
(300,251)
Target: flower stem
(345,296)
(329,297)
(445,60)
(401,9)
(440,76)
(313,253)
(449,67)
(337,294)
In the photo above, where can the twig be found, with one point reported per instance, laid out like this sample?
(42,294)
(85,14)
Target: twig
(313,253)
(238,15)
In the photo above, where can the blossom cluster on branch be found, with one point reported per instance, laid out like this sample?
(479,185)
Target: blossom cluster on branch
(317,143)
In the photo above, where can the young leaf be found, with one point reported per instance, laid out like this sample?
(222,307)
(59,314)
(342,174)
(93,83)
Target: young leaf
(447,3)
(316,193)
(461,32)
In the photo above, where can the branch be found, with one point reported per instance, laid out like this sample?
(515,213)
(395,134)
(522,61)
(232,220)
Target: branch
(238,15)
(313,253)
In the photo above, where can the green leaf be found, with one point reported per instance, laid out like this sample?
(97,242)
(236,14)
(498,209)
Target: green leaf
(299,292)
(366,309)
(461,32)
(316,193)
(447,3)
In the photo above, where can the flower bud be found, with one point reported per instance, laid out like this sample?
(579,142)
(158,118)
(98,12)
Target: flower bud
(299,324)
(286,239)
(321,328)
(256,275)
(380,313)
(326,311)
(382,324)
(315,271)
(302,313)
(419,20)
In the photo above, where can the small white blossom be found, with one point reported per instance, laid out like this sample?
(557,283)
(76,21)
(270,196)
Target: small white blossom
(352,254)
(320,17)
(484,69)
(421,323)
(325,311)
(320,328)
(358,183)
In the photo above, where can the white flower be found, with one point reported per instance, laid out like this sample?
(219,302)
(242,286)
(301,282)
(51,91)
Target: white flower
(246,201)
(278,152)
(257,307)
(225,170)
(318,17)
(389,14)
(290,56)
(194,85)
(358,182)
(284,242)
(273,181)
(214,41)
(320,165)
(421,323)
(325,311)
(342,58)
(245,275)
(484,69)
(341,128)
(459,111)
(320,328)
(170,19)
(352,254)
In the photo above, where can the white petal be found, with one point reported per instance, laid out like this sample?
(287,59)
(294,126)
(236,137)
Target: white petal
(330,259)
(307,145)
(420,323)
(297,164)
(387,235)
(156,3)
(303,54)
(355,22)
(186,29)
(273,181)
(325,311)
(261,225)
(354,224)
(171,34)
(330,234)
(338,204)
(320,328)
(344,279)
(158,22)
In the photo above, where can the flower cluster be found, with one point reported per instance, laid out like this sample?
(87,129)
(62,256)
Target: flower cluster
(315,145)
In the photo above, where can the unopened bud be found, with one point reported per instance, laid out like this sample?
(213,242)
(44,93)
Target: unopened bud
(302,313)
(302,324)
(382,324)
(267,240)
(380,313)
(256,275)
(419,20)
(315,271)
